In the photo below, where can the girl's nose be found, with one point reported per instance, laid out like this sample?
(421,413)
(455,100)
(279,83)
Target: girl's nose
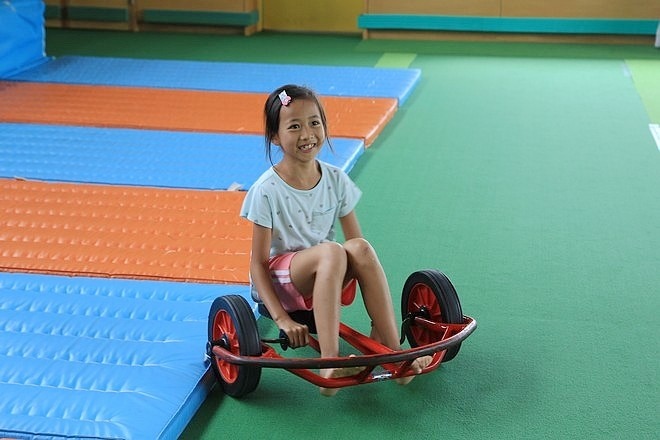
(308,133)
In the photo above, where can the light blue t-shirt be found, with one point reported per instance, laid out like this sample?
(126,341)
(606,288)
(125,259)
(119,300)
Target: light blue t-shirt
(300,219)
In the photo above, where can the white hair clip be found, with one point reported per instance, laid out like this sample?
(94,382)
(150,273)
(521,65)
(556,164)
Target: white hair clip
(284,98)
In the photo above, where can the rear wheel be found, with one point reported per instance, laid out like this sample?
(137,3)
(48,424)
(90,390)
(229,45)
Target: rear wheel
(430,294)
(232,325)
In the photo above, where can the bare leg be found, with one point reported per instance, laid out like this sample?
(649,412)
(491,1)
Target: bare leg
(364,265)
(320,271)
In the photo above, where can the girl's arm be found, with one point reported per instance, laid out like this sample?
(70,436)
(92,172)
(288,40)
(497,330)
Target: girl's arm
(350,226)
(260,274)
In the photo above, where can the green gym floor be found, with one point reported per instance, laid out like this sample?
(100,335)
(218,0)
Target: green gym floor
(529,175)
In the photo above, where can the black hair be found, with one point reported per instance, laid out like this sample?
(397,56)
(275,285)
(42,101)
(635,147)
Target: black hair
(274,105)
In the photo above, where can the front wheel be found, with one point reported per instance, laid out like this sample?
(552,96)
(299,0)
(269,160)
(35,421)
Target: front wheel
(232,325)
(430,294)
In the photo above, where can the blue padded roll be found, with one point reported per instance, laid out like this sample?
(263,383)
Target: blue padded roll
(229,77)
(144,157)
(22,42)
(102,358)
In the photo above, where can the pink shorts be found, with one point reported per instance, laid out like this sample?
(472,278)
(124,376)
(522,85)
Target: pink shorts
(289,296)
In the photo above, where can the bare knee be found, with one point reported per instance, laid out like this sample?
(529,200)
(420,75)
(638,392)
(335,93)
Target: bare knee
(360,252)
(362,258)
(332,258)
(326,262)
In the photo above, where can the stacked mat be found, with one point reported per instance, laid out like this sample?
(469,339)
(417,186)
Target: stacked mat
(118,229)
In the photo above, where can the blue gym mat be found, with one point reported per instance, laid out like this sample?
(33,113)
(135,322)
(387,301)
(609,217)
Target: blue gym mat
(102,358)
(109,358)
(144,157)
(229,77)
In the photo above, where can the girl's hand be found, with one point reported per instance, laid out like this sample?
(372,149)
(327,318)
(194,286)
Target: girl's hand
(298,334)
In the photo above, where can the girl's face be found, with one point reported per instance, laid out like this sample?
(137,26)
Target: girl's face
(301,132)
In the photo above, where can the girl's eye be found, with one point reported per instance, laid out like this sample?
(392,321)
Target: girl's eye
(294,127)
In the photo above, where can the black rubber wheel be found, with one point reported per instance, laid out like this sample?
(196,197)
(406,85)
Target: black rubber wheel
(431,294)
(232,323)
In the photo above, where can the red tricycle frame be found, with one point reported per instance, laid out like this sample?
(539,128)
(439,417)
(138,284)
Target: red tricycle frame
(433,323)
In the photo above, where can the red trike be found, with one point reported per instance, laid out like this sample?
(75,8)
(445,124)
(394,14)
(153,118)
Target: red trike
(433,323)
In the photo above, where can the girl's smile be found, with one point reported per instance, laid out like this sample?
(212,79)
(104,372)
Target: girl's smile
(301,133)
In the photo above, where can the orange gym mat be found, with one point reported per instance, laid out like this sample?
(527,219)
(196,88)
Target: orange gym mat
(176,109)
(128,232)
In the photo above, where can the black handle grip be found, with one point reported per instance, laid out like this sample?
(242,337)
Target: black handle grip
(284,340)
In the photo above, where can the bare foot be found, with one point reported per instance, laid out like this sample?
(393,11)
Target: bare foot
(335,373)
(417,366)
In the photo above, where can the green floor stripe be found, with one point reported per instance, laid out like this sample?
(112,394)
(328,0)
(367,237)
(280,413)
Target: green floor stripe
(403,60)
(646,76)
(655,131)
(511,49)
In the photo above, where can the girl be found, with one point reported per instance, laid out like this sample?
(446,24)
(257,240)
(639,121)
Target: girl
(295,262)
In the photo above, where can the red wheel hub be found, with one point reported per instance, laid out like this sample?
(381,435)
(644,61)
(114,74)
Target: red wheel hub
(223,328)
(422,297)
